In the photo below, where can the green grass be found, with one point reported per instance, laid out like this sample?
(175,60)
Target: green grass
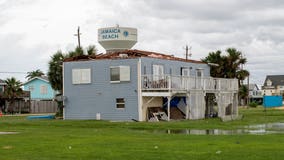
(66,139)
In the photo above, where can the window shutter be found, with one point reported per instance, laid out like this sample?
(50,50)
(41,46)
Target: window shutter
(76,76)
(124,73)
(85,75)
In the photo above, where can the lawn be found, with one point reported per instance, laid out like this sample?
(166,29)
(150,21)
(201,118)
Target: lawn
(66,139)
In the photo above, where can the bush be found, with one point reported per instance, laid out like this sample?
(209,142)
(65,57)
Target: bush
(253,104)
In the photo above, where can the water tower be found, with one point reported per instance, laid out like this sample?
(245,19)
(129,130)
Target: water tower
(117,38)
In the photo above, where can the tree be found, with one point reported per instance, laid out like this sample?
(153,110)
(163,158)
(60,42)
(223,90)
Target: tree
(92,50)
(229,66)
(12,91)
(36,73)
(216,58)
(55,76)
(55,71)
(243,92)
(77,52)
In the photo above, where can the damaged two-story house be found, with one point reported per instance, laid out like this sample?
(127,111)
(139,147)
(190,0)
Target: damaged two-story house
(143,86)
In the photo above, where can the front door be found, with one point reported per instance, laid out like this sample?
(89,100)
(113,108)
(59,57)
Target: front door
(185,73)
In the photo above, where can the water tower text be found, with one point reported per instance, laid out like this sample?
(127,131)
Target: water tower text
(110,33)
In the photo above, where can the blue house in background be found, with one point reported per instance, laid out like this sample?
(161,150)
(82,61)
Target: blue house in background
(39,88)
(137,85)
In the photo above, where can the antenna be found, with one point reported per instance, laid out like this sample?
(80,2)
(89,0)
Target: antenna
(78,35)
(186,52)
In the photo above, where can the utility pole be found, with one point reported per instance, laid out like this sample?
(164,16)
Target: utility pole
(248,98)
(78,35)
(186,52)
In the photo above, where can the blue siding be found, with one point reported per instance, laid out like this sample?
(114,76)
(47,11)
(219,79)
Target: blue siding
(35,93)
(84,101)
(174,66)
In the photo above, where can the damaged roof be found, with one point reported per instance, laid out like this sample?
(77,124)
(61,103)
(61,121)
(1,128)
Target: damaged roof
(129,54)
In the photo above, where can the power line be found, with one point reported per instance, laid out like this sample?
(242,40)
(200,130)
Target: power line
(14,72)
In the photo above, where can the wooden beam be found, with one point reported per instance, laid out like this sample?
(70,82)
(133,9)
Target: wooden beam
(169,108)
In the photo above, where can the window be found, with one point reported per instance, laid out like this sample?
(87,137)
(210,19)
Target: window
(268,83)
(81,76)
(120,74)
(199,72)
(144,70)
(185,71)
(120,103)
(43,89)
(158,72)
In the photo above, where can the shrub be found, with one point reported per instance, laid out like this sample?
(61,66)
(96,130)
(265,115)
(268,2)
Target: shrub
(253,104)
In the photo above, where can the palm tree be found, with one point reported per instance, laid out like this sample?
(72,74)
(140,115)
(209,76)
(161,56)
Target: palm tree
(77,52)
(216,58)
(12,91)
(55,71)
(229,66)
(243,92)
(91,50)
(242,75)
(36,73)
(55,76)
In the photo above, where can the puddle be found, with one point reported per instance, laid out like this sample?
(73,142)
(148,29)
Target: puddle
(1,133)
(261,129)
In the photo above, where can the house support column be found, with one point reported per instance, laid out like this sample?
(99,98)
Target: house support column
(235,103)
(169,107)
(187,106)
(139,92)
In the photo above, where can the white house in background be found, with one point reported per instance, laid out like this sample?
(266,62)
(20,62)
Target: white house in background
(255,93)
(273,85)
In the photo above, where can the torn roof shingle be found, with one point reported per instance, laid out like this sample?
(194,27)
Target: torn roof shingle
(129,54)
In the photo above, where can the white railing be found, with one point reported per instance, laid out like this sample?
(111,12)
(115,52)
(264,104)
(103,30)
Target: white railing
(167,82)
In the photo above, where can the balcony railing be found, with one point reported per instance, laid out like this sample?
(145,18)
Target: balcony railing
(170,82)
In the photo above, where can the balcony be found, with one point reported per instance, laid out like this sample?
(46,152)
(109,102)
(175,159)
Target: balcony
(184,83)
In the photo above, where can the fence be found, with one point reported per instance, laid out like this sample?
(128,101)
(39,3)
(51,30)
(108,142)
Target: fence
(19,106)
(43,107)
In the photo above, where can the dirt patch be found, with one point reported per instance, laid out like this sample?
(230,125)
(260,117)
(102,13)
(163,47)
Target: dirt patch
(1,133)
(7,147)
(279,107)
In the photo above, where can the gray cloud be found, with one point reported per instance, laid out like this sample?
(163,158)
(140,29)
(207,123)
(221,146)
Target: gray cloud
(18,58)
(255,27)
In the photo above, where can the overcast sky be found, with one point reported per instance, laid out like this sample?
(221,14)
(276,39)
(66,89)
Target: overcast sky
(33,30)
